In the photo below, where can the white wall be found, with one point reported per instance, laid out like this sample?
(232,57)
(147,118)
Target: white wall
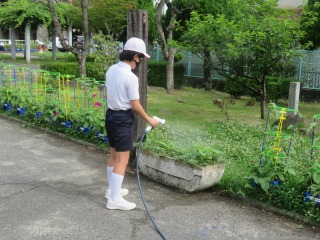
(290,3)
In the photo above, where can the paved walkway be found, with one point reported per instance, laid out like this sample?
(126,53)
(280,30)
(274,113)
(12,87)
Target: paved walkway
(51,188)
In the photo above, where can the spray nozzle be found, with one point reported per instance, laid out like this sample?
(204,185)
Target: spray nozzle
(159,120)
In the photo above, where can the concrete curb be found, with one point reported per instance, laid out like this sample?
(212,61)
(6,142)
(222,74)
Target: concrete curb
(64,136)
(259,205)
(274,210)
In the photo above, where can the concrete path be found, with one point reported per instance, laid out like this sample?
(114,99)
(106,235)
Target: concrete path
(51,188)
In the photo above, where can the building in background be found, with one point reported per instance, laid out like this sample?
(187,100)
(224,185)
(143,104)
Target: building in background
(291,3)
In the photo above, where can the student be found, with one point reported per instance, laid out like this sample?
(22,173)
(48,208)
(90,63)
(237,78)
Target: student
(40,46)
(122,99)
(2,49)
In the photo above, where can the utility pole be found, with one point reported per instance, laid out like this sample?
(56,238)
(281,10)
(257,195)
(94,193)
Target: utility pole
(137,23)
(138,27)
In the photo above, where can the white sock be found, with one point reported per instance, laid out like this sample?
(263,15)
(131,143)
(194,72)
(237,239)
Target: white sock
(109,173)
(115,186)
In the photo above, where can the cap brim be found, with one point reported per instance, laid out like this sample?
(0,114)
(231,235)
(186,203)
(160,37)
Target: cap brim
(146,55)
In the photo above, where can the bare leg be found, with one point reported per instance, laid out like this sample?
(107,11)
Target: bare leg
(116,168)
(112,159)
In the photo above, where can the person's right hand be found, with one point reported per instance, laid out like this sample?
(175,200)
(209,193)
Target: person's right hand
(153,122)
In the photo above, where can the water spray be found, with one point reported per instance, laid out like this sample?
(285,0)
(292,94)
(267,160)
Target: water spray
(162,122)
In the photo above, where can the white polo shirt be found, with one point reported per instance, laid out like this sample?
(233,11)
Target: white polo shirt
(122,86)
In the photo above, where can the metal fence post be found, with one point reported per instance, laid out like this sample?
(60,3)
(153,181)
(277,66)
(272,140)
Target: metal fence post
(300,68)
(189,63)
(158,53)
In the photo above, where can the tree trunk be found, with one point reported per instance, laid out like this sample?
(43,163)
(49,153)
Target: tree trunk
(167,50)
(54,43)
(82,65)
(27,43)
(170,71)
(207,64)
(70,35)
(13,43)
(157,19)
(263,98)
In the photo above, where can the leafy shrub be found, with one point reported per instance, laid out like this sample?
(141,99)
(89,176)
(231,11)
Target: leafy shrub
(235,88)
(157,74)
(71,68)
(72,58)
(94,70)
(190,146)
(277,88)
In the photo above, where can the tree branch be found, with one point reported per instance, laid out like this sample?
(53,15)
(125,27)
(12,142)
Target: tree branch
(57,26)
(157,18)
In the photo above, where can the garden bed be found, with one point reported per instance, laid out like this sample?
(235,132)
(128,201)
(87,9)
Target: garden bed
(180,175)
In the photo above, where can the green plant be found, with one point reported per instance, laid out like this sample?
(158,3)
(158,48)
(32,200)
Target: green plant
(93,117)
(51,111)
(193,150)
(224,105)
(201,155)
(251,102)
(270,169)
(311,175)
(8,93)
(105,50)
(235,88)
(25,99)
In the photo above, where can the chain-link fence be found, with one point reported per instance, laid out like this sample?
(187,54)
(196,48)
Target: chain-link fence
(193,63)
(308,69)
(307,66)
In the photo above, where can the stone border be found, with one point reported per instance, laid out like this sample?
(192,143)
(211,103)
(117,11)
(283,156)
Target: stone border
(180,175)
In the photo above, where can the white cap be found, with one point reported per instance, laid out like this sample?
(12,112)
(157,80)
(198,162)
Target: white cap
(136,45)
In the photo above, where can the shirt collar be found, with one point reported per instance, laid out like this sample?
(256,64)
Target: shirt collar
(124,65)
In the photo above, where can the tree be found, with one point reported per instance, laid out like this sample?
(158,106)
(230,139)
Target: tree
(199,46)
(81,54)
(16,13)
(109,17)
(310,22)
(149,6)
(168,37)
(168,46)
(249,41)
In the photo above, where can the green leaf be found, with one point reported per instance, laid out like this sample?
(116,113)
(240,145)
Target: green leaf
(264,183)
(316,178)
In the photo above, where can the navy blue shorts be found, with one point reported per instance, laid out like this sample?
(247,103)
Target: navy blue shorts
(119,126)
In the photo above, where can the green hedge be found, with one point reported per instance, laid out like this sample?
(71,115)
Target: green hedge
(277,88)
(157,72)
(94,70)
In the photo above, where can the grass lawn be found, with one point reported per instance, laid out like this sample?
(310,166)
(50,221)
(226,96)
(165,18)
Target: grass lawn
(36,58)
(194,108)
